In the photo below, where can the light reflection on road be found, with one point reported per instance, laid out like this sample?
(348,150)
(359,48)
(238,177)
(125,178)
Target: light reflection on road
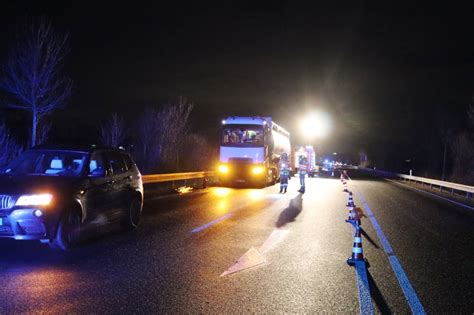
(41,290)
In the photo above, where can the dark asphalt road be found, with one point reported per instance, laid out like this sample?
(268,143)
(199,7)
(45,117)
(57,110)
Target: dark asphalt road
(174,262)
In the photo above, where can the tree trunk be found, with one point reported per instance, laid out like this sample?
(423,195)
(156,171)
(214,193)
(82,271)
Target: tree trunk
(34,126)
(443,175)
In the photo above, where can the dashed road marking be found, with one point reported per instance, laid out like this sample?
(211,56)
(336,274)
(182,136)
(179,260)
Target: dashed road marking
(275,237)
(408,290)
(256,257)
(228,215)
(213,222)
(251,258)
(365,299)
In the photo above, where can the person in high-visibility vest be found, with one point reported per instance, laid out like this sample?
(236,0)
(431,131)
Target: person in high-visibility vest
(302,170)
(284,173)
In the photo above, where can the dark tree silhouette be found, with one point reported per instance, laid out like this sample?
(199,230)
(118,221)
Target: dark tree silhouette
(112,132)
(161,135)
(32,74)
(9,148)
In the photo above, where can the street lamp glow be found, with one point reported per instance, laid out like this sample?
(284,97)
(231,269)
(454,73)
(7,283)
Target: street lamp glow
(316,125)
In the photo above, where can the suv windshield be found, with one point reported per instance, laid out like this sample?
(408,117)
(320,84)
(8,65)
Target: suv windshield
(242,135)
(49,163)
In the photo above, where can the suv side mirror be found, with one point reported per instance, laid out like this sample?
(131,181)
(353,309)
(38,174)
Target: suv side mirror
(98,172)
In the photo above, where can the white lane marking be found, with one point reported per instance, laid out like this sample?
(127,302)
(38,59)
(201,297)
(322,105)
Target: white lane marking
(224,217)
(408,290)
(275,237)
(365,299)
(383,239)
(213,222)
(432,194)
(228,215)
(255,257)
(413,301)
(251,258)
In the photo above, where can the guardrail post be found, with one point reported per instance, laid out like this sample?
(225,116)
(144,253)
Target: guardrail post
(431,186)
(452,191)
(441,188)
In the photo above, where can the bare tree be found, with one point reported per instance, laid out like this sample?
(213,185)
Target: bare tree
(470,114)
(175,127)
(44,127)
(32,73)
(463,164)
(197,153)
(162,134)
(149,131)
(112,132)
(9,148)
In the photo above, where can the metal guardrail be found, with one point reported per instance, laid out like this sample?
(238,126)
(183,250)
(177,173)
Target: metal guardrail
(161,178)
(469,190)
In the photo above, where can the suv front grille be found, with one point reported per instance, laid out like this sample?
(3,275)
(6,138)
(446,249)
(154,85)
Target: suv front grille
(6,202)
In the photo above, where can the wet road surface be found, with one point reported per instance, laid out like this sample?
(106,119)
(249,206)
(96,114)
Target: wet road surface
(227,250)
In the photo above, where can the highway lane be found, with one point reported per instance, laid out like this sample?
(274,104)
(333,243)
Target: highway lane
(174,262)
(432,237)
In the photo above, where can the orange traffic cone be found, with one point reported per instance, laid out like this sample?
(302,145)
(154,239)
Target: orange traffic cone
(350,202)
(357,253)
(351,214)
(345,186)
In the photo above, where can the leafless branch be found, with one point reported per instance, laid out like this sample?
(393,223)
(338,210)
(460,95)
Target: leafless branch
(32,74)
(9,147)
(112,133)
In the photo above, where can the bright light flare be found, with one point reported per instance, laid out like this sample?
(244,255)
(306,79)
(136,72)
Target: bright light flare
(34,200)
(184,190)
(222,192)
(316,125)
(255,194)
(222,207)
(223,169)
(257,170)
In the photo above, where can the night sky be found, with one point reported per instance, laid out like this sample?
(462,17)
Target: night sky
(389,76)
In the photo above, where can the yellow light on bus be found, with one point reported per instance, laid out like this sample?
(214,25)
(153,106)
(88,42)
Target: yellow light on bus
(257,170)
(223,169)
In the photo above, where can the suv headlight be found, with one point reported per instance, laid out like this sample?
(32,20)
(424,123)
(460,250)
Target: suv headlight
(34,200)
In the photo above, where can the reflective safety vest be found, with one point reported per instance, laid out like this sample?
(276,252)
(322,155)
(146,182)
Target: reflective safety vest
(284,169)
(302,168)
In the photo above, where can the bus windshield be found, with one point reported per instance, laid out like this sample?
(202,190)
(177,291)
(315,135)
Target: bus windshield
(242,136)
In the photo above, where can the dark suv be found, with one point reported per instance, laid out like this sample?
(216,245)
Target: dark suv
(54,193)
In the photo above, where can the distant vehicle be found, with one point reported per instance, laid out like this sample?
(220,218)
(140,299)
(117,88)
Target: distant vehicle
(250,150)
(51,193)
(328,167)
(309,153)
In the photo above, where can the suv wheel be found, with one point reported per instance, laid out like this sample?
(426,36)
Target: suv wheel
(134,214)
(68,232)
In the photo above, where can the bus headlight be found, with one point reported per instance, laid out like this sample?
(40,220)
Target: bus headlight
(257,170)
(224,169)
